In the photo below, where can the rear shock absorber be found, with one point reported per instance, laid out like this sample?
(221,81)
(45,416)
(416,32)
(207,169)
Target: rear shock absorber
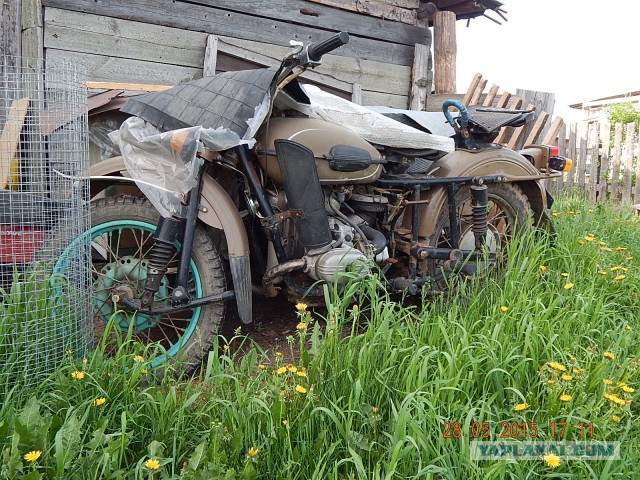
(479,202)
(160,255)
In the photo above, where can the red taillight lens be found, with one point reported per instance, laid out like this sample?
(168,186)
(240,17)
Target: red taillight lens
(554,151)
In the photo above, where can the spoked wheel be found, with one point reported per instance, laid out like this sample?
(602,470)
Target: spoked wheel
(509,213)
(122,230)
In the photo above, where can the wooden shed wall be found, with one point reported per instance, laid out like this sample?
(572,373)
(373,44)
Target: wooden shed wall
(163,42)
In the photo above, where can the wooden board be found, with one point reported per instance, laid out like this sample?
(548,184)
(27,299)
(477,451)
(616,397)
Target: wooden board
(375,9)
(11,137)
(419,81)
(385,100)
(207,19)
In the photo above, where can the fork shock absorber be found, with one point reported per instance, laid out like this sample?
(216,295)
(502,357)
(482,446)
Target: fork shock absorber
(160,255)
(479,203)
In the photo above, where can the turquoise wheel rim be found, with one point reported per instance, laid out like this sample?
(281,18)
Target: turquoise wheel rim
(120,226)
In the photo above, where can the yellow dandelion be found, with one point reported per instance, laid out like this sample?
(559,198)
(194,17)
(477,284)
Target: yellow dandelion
(143,371)
(609,355)
(581,242)
(33,455)
(138,359)
(543,268)
(84,360)
(278,354)
(606,381)
(301,326)
(152,464)
(285,422)
(568,286)
(98,402)
(292,368)
(552,460)
(615,269)
(589,238)
(620,249)
(602,243)
(503,309)
(550,382)
(557,366)
(606,249)
(69,352)
(78,375)
(621,384)
(602,272)
(565,398)
(627,389)
(555,214)
(252,452)
(281,370)
(225,347)
(615,418)
(301,307)
(300,389)
(283,394)
(564,274)
(566,377)
(520,406)
(628,327)
(300,373)
(628,258)
(619,277)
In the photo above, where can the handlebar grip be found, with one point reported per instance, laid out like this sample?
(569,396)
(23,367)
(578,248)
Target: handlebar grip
(315,52)
(464,113)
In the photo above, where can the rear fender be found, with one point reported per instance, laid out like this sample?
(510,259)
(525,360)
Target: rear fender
(218,211)
(462,163)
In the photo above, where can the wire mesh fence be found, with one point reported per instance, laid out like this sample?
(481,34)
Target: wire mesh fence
(45,282)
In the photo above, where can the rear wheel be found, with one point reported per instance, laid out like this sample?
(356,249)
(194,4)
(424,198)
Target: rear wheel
(122,230)
(508,213)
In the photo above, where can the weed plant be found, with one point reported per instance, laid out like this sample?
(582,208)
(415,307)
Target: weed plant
(553,338)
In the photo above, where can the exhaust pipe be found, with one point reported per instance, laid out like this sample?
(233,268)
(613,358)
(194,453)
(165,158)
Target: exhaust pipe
(302,186)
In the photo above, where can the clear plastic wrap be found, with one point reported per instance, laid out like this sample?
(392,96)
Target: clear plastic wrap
(164,164)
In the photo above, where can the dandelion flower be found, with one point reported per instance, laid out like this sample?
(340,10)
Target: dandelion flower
(628,258)
(543,268)
(620,249)
(301,326)
(143,371)
(565,398)
(601,243)
(606,249)
(301,307)
(152,464)
(78,375)
(292,368)
(566,377)
(300,389)
(84,360)
(262,366)
(225,347)
(138,359)
(557,366)
(615,418)
(33,455)
(252,452)
(606,381)
(550,382)
(278,354)
(619,277)
(609,355)
(300,373)
(520,406)
(285,422)
(602,272)
(99,401)
(568,286)
(577,371)
(281,370)
(628,327)
(503,309)
(552,460)
(564,274)
(589,238)
(581,242)
(555,214)
(627,389)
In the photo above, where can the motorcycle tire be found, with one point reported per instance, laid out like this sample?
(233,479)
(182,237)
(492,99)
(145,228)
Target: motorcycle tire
(509,214)
(122,230)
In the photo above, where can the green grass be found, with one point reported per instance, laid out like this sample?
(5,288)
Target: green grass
(376,403)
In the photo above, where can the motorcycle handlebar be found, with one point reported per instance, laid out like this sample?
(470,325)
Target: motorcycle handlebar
(315,52)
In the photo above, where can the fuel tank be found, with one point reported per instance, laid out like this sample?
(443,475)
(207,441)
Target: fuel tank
(319,136)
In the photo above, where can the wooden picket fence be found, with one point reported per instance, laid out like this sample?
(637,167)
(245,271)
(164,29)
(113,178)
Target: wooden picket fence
(605,161)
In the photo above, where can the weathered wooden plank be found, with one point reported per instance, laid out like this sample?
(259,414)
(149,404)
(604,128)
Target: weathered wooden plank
(444,52)
(493,91)
(572,175)
(214,20)
(112,69)
(210,56)
(100,35)
(593,148)
(582,155)
(514,141)
(419,82)
(605,165)
(136,87)
(542,101)
(552,132)
(558,183)
(32,43)
(538,125)
(475,99)
(384,99)
(10,28)
(403,3)
(503,100)
(614,187)
(374,8)
(627,164)
(475,81)
(356,94)
(10,138)
(371,75)
(506,132)
(636,190)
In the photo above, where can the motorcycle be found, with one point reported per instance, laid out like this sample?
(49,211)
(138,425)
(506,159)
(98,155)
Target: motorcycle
(253,183)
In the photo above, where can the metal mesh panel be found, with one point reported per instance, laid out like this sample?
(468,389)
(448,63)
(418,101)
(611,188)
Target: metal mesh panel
(45,283)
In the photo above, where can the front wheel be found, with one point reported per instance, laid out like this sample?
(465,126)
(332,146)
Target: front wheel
(508,214)
(122,230)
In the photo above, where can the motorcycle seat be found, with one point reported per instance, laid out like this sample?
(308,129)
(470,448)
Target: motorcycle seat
(491,119)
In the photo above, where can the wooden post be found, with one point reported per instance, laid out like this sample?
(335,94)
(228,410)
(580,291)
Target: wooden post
(210,56)
(32,35)
(444,52)
(10,28)
(419,80)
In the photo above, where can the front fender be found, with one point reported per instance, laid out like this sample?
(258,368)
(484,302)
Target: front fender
(492,161)
(219,212)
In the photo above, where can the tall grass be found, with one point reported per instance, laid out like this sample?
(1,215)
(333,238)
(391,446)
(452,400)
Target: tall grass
(375,403)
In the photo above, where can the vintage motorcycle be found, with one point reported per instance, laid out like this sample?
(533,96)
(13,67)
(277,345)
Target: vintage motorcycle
(256,184)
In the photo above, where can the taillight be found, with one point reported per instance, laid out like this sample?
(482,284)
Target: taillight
(560,164)
(554,151)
